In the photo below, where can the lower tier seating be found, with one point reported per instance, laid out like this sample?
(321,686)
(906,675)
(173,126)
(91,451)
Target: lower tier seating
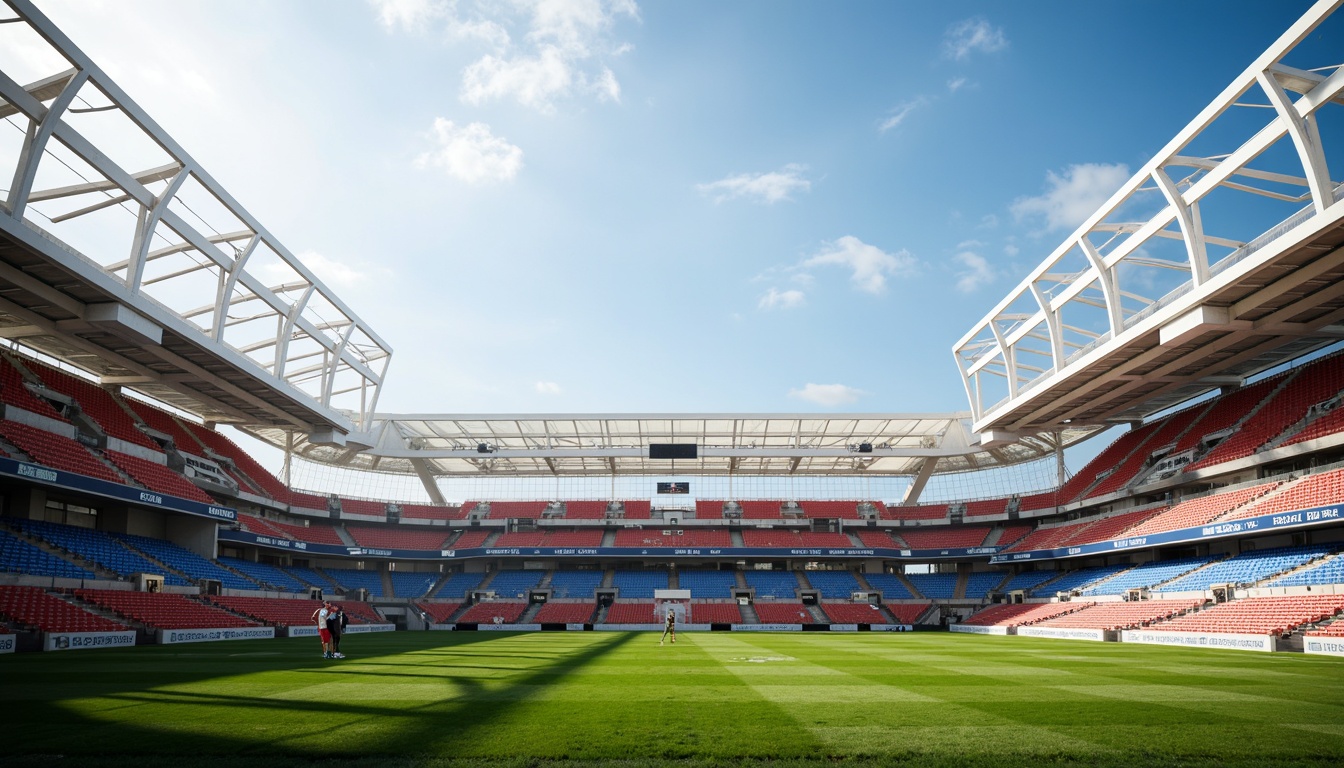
(161,610)
(33,607)
(1260,615)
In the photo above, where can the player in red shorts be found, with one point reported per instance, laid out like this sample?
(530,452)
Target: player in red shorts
(321,615)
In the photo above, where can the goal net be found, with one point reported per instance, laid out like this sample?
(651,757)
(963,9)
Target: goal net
(676,600)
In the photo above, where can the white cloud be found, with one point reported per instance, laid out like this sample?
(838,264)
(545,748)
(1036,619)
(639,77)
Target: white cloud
(1070,198)
(471,153)
(606,87)
(332,272)
(410,15)
(533,81)
(973,35)
(1011,250)
(776,299)
(870,266)
(547,388)
(976,270)
(900,112)
(768,187)
(827,395)
(955,84)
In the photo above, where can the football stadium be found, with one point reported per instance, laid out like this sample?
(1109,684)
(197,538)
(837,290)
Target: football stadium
(1126,549)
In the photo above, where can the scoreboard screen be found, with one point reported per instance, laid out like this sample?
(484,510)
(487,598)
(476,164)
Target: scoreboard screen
(664,488)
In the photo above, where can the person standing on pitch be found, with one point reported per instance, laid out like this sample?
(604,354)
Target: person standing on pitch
(336,622)
(321,614)
(669,627)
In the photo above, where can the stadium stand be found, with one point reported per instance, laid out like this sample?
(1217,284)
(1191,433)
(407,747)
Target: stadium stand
(1226,412)
(98,548)
(774,585)
(1260,615)
(157,477)
(494,612)
(980,583)
(185,561)
(439,613)
(1247,568)
(18,556)
(585,510)
(1079,579)
(1326,571)
(937,586)
(908,613)
(914,512)
(367,507)
(638,510)
(1028,580)
(514,583)
(760,510)
(707,584)
(848,510)
(706,509)
(162,610)
(638,584)
(959,537)
(412,583)
(430,512)
(1146,575)
(986,507)
(833,585)
(853,613)
(14,392)
(459,586)
(56,451)
(783,613)
(876,539)
(272,577)
(575,584)
(351,579)
(715,613)
(32,607)
(1205,509)
(255,474)
(470,539)
(397,538)
(1311,491)
(565,613)
(673,537)
(631,613)
(1117,616)
(1020,614)
(314,532)
(890,585)
(309,501)
(1012,534)
(272,611)
(1164,433)
(527,510)
(96,403)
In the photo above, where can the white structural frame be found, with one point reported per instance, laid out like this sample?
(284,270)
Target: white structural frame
(309,358)
(1028,349)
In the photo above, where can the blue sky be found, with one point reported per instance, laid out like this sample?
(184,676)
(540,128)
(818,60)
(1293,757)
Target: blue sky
(604,206)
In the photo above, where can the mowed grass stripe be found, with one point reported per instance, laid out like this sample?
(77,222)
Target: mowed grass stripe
(921,698)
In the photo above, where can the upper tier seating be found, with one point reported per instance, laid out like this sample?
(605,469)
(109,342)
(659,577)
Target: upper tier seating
(501,510)
(95,402)
(914,512)
(14,392)
(97,547)
(848,510)
(258,525)
(158,477)
(315,532)
(430,512)
(778,585)
(981,583)
(1260,615)
(853,613)
(1248,567)
(566,613)
(366,507)
(1146,575)
(162,421)
(1311,491)
(889,584)
(274,578)
(706,509)
(56,451)
(761,510)
(715,613)
(459,586)
(907,613)
(673,537)
(1028,580)
(583,537)
(1116,616)
(783,613)
(638,510)
(223,446)
(18,556)
(1110,457)
(787,539)
(638,584)
(877,539)
(185,561)
(834,585)
(313,501)
(1196,512)
(511,583)
(350,579)
(412,583)
(708,584)
(959,537)
(631,613)
(579,585)
(1079,579)
(1020,614)
(1166,431)
(1012,534)
(33,607)
(470,539)
(1326,571)
(397,538)
(585,510)
(1038,501)
(986,507)
(495,612)
(162,610)
(938,586)
(1112,527)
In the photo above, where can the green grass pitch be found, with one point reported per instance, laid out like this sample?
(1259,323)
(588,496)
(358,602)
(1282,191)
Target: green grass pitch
(619,699)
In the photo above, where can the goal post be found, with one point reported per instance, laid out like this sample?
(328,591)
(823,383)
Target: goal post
(676,600)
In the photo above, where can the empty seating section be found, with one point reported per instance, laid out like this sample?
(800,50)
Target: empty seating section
(1167,430)
(1327,571)
(1012,534)
(889,584)
(638,510)
(265,573)
(439,613)
(586,510)
(531,510)
(259,525)
(708,584)
(575,584)
(876,539)
(350,579)
(1260,615)
(364,507)
(1115,616)
(273,611)
(430,512)
(1146,575)
(397,538)
(95,402)
(760,510)
(162,610)
(470,539)
(772,538)
(631,613)
(514,583)
(1196,512)
(848,510)
(566,613)
(834,585)
(56,451)
(981,583)
(161,421)
(783,613)
(853,613)
(18,556)
(97,547)
(1020,614)
(705,509)
(1248,567)
(1110,457)
(1108,528)
(586,537)
(1038,501)
(1079,579)
(360,613)
(1311,491)
(249,466)
(638,584)
(986,507)
(185,561)
(317,533)
(916,512)
(1045,538)
(1334,629)
(310,576)
(937,586)
(496,612)
(907,613)
(776,585)
(715,613)
(459,586)
(412,583)
(14,392)
(1314,383)
(945,538)
(33,607)
(1226,411)
(1028,580)
(157,477)
(673,537)
(313,501)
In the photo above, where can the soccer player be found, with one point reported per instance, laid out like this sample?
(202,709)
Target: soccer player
(336,622)
(321,614)
(669,627)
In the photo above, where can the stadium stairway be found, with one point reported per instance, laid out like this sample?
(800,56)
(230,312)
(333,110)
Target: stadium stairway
(963,577)
(530,614)
(608,578)
(818,616)
(608,538)
(736,538)
(909,585)
(749,614)
(347,538)
(386,577)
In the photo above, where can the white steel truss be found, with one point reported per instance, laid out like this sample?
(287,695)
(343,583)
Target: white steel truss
(172,270)
(1158,261)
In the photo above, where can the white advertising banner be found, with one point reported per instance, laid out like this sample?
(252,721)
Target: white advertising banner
(767,627)
(1331,645)
(72,641)
(508,627)
(7,643)
(310,630)
(973,629)
(1199,639)
(574,627)
(1063,633)
(844,627)
(172,636)
(629,627)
